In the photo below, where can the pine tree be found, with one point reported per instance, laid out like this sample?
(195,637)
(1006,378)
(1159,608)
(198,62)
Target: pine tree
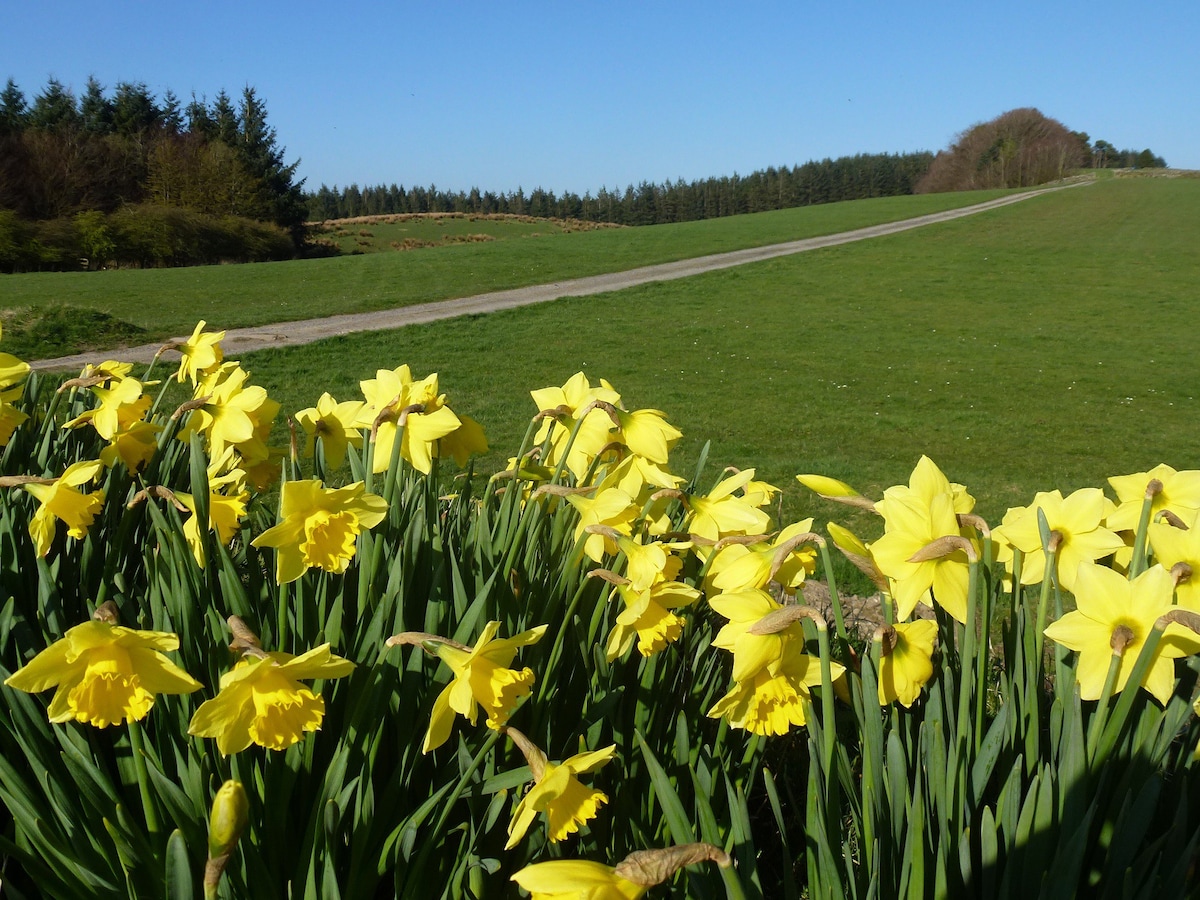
(95,110)
(14,112)
(54,107)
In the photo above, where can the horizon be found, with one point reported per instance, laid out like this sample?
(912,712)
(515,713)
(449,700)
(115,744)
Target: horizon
(579,99)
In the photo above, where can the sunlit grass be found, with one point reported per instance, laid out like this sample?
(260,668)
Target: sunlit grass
(168,302)
(1042,345)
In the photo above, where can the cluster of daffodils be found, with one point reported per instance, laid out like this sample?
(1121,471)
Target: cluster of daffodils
(1128,564)
(668,554)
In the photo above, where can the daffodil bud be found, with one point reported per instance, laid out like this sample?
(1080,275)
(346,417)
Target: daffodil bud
(225,826)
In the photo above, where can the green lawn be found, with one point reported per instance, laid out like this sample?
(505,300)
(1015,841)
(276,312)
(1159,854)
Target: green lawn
(168,302)
(1046,344)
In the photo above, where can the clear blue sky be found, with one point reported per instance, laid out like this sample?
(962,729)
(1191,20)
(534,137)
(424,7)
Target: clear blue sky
(576,95)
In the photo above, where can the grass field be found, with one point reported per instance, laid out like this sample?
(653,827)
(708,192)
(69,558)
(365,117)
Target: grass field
(166,302)
(1046,344)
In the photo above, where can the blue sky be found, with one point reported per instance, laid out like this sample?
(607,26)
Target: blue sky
(576,95)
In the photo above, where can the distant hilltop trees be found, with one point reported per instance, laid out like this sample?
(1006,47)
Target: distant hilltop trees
(846,178)
(1022,148)
(123,177)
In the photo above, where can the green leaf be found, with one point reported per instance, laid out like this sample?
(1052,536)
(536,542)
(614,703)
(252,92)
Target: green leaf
(179,882)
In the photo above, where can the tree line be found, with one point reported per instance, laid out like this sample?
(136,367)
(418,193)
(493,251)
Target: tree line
(124,177)
(829,180)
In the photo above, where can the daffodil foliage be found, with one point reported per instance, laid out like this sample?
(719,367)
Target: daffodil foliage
(346,667)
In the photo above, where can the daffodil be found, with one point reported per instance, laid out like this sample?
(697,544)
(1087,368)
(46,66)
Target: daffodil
(226,509)
(319,526)
(63,500)
(907,661)
(721,512)
(336,424)
(773,699)
(556,792)
(201,353)
(913,524)
(925,483)
(104,673)
(481,678)
(647,433)
(590,427)
(1077,520)
(463,442)
(133,444)
(11,418)
(1178,551)
(413,410)
(1179,493)
(612,508)
(1112,611)
(787,559)
(648,617)
(12,369)
(576,879)
(229,411)
(121,403)
(262,701)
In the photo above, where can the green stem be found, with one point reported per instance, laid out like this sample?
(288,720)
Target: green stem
(143,777)
(1138,564)
(1100,716)
(839,620)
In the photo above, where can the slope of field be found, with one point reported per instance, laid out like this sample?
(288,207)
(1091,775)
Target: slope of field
(167,302)
(1043,345)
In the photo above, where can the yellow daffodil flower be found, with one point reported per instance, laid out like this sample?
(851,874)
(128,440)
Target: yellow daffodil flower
(576,879)
(1107,603)
(741,567)
(481,679)
(751,652)
(463,442)
(557,792)
(226,508)
(1180,494)
(63,500)
(12,369)
(908,664)
(647,433)
(772,700)
(721,513)
(319,527)
(202,354)
(11,418)
(648,617)
(121,404)
(925,483)
(571,400)
(1077,520)
(232,410)
(1178,551)
(133,444)
(912,523)
(648,564)
(611,507)
(105,674)
(426,418)
(335,423)
(262,701)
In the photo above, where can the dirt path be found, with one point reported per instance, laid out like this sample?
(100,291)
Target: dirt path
(305,331)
